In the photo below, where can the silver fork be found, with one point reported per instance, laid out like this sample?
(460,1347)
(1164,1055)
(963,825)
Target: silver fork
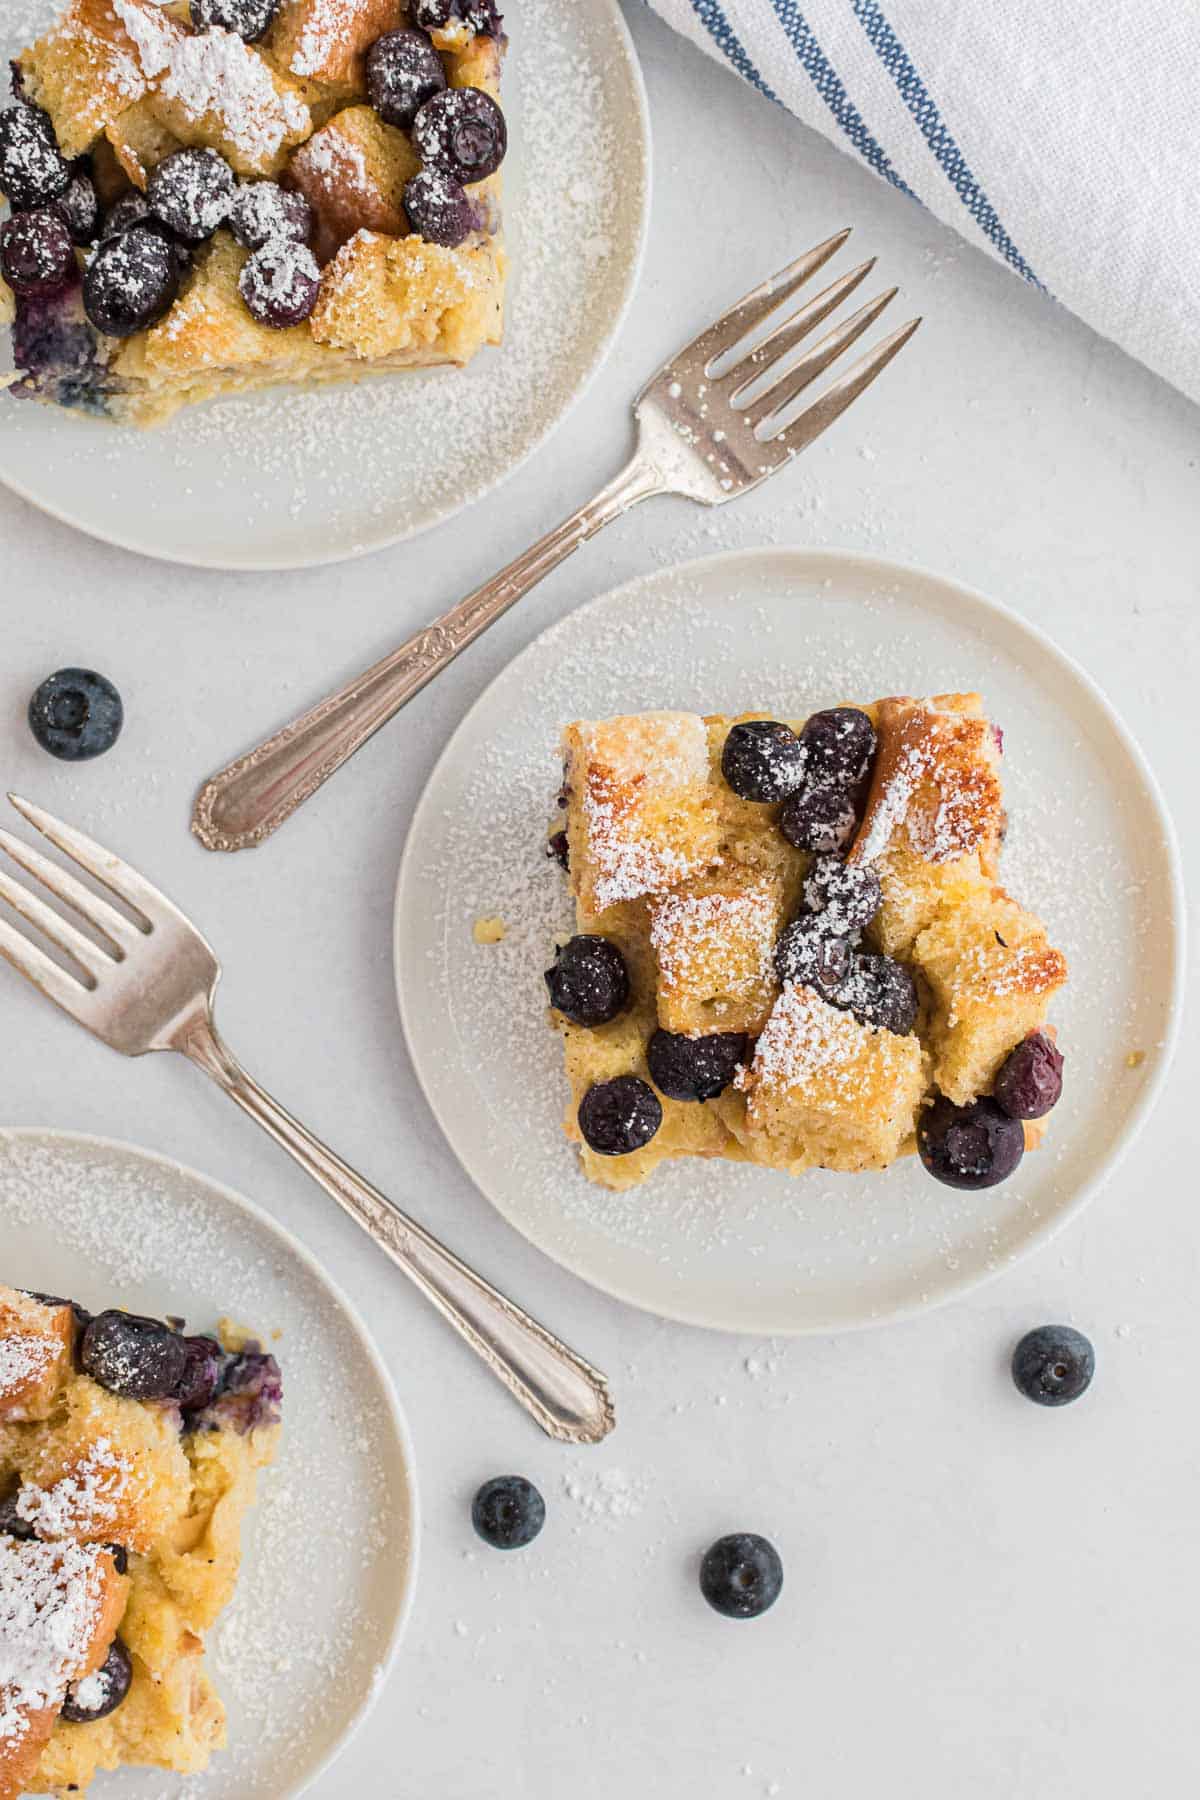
(148,984)
(711,425)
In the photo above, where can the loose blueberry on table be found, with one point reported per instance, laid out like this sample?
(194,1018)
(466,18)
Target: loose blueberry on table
(76,715)
(508,1512)
(1053,1365)
(588,982)
(619,1116)
(741,1575)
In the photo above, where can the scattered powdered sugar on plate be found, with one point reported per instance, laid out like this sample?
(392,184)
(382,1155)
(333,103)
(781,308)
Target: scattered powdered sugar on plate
(306,474)
(786,632)
(296,1655)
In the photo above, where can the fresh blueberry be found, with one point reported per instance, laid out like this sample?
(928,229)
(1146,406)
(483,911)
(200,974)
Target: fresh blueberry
(508,1512)
(140,1358)
(97,1695)
(1030,1081)
(36,252)
(262,210)
(248,19)
(809,957)
(439,209)
(482,16)
(881,992)
(698,1068)
(588,982)
(845,895)
(461,131)
(76,715)
(32,172)
(250,1394)
(403,72)
(838,746)
(1053,1365)
(619,1116)
(762,760)
(741,1575)
(11,1523)
(202,1373)
(280,283)
(79,205)
(558,848)
(120,1556)
(822,817)
(130,210)
(191,192)
(972,1146)
(131,281)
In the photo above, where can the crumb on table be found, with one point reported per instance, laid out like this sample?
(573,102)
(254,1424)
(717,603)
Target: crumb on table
(490,930)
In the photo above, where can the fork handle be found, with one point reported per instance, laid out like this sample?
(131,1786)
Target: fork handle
(569,1399)
(250,799)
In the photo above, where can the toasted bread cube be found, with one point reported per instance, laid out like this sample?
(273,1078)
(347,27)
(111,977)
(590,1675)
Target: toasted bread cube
(641,808)
(825,1089)
(140,141)
(474,62)
(95,63)
(218,91)
(714,937)
(353,172)
(992,972)
(327,40)
(391,297)
(209,325)
(36,1342)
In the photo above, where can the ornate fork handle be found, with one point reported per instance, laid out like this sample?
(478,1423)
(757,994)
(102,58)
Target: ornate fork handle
(251,798)
(568,1398)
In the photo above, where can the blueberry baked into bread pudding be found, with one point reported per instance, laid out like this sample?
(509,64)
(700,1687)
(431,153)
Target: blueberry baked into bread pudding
(128,1458)
(792,948)
(210,196)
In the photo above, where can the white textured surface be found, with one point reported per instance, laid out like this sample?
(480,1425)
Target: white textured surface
(981,1598)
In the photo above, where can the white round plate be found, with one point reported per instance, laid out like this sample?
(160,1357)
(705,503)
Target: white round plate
(330,1549)
(1090,849)
(290,479)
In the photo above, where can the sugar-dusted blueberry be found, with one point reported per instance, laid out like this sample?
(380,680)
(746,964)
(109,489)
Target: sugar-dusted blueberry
(881,991)
(403,72)
(588,981)
(32,171)
(558,849)
(1053,1365)
(140,1358)
(262,210)
(808,956)
(191,192)
(741,1575)
(508,1512)
(481,16)
(36,252)
(1030,1080)
(695,1068)
(439,209)
(762,760)
(619,1116)
(280,283)
(821,817)
(839,744)
(130,282)
(130,210)
(202,1373)
(461,131)
(846,895)
(974,1146)
(76,714)
(248,19)
(100,1693)
(79,205)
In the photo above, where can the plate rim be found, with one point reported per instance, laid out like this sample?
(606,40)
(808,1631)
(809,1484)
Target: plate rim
(393,1408)
(356,552)
(1044,1230)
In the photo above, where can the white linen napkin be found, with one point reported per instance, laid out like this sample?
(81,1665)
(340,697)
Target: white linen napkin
(1058,135)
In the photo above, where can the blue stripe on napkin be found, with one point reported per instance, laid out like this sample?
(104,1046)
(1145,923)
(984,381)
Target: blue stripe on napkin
(712,16)
(922,106)
(830,87)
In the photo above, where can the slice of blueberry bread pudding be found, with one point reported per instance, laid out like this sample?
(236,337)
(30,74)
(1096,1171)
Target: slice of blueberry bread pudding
(209,196)
(792,947)
(128,1459)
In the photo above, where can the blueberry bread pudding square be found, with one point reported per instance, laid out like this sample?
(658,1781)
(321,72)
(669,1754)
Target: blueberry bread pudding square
(792,947)
(210,196)
(128,1460)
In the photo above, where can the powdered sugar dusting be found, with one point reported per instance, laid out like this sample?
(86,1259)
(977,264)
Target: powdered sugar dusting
(690,933)
(49,1601)
(23,1359)
(82,1502)
(806,1037)
(216,75)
